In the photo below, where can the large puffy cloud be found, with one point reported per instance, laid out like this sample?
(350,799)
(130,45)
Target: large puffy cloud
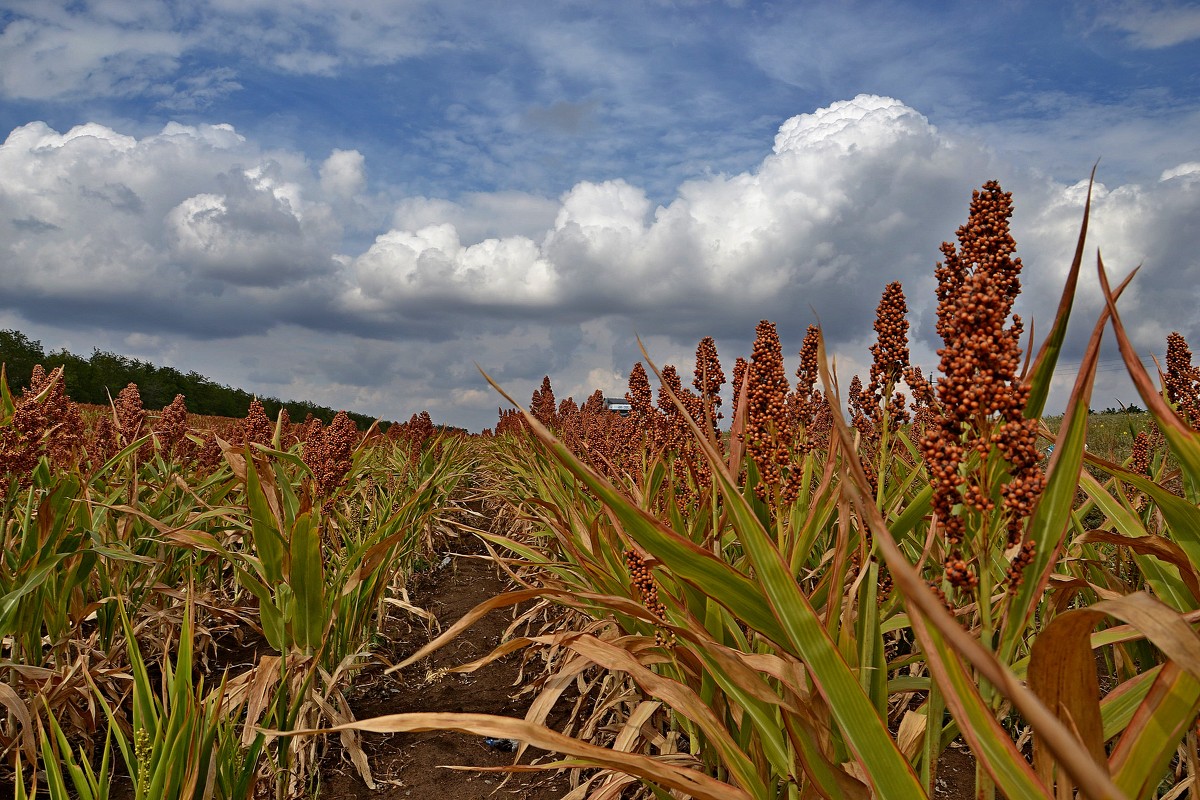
(407,269)
(850,195)
(196,231)
(193,226)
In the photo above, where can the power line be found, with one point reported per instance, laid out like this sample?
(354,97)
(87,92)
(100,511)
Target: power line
(1106,365)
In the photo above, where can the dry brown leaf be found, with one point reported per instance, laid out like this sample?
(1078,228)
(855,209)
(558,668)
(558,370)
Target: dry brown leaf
(695,784)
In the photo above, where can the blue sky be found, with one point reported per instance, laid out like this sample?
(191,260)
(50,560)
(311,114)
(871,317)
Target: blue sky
(354,203)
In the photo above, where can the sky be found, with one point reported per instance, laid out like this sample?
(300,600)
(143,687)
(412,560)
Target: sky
(364,203)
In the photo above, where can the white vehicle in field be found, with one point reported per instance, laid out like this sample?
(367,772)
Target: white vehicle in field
(618,405)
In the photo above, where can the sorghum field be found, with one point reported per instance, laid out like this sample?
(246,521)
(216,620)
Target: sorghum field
(820,591)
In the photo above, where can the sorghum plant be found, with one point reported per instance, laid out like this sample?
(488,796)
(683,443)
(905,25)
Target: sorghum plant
(981,451)
(543,406)
(102,442)
(677,437)
(739,373)
(643,582)
(417,432)
(44,422)
(674,427)
(889,359)
(800,402)
(861,410)
(709,378)
(570,424)
(509,421)
(924,400)
(641,400)
(1182,379)
(257,427)
(171,430)
(328,453)
(878,411)
(767,434)
(131,416)
(209,455)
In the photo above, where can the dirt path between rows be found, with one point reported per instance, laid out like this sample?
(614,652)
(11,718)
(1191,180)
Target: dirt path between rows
(412,765)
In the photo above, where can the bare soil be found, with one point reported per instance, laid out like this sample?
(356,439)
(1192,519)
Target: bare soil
(955,775)
(413,765)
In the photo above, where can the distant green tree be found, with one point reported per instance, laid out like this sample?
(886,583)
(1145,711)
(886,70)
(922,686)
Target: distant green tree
(104,375)
(20,355)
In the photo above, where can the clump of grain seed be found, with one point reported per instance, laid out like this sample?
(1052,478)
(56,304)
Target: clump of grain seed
(257,427)
(543,406)
(171,431)
(981,398)
(767,432)
(1182,379)
(647,589)
(709,378)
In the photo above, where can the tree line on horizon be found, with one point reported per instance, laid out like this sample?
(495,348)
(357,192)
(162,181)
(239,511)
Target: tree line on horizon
(102,376)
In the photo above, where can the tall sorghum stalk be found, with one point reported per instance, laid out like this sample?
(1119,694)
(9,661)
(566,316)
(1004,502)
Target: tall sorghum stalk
(808,373)
(570,425)
(739,373)
(889,359)
(328,453)
(66,436)
(509,422)
(980,450)
(863,420)
(674,435)
(595,429)
(171,431)
(131,416)
(677,436)
(980,424)
(804,400)
(641,402)
(209,456)
(610,439)
(708,380)
(809,414)
(1140,461)
(879,410)
(767,433)
(543,405)
(1182,379)
(419,429)
(44,423)
(257,427)
(924,400)
(102,443)
(675,428)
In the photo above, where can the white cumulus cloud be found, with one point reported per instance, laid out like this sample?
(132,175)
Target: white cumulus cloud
(172,224)
(198,232)
(343,173)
